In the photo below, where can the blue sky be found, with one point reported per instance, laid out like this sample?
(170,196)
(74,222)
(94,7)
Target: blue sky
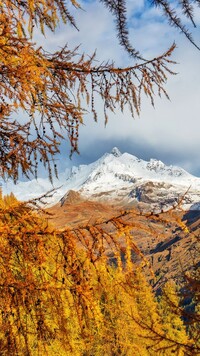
(170,131)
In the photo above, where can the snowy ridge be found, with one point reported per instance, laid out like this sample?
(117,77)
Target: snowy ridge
(116,176)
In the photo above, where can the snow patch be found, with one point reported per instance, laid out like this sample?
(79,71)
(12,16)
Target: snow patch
(115,176)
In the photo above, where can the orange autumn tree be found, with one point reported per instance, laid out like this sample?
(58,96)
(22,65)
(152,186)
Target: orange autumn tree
(58,289)
(61,295)
(43,95)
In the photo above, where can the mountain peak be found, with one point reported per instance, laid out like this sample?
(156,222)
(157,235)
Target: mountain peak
(116,177)
(116,152)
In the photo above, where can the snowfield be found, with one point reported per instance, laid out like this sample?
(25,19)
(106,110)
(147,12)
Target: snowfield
(122,177)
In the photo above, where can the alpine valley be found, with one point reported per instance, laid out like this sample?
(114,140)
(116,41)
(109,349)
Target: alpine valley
(161,200)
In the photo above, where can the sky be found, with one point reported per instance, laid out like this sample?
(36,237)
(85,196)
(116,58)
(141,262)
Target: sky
(169,132)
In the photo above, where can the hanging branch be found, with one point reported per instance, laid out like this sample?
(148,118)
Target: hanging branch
(174,20)
(54,91)
(44,96)
(118,9)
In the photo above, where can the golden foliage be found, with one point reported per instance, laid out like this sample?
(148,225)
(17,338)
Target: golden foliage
(43,96)
(60,293)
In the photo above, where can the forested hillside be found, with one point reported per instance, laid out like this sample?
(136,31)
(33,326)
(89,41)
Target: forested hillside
(76,289)
(60,293)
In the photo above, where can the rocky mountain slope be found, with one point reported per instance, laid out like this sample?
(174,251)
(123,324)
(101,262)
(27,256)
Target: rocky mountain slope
(122,178)
(91,194)
(169,249)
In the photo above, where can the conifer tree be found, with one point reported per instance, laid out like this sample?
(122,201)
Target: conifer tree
(191,303)
(50,89)
(173,326)
(59,293)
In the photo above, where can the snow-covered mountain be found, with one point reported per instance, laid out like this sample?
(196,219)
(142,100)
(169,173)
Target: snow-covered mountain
(118,177)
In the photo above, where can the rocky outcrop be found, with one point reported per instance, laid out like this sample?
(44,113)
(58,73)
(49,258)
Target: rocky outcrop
(71,197)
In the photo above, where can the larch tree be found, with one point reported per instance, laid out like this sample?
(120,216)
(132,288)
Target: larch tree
(58,289)
(61,295)
(49,90)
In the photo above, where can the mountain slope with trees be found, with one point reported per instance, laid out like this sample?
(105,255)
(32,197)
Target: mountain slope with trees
(59,293)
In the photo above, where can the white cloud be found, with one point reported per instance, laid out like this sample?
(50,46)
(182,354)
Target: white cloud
(172,128)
